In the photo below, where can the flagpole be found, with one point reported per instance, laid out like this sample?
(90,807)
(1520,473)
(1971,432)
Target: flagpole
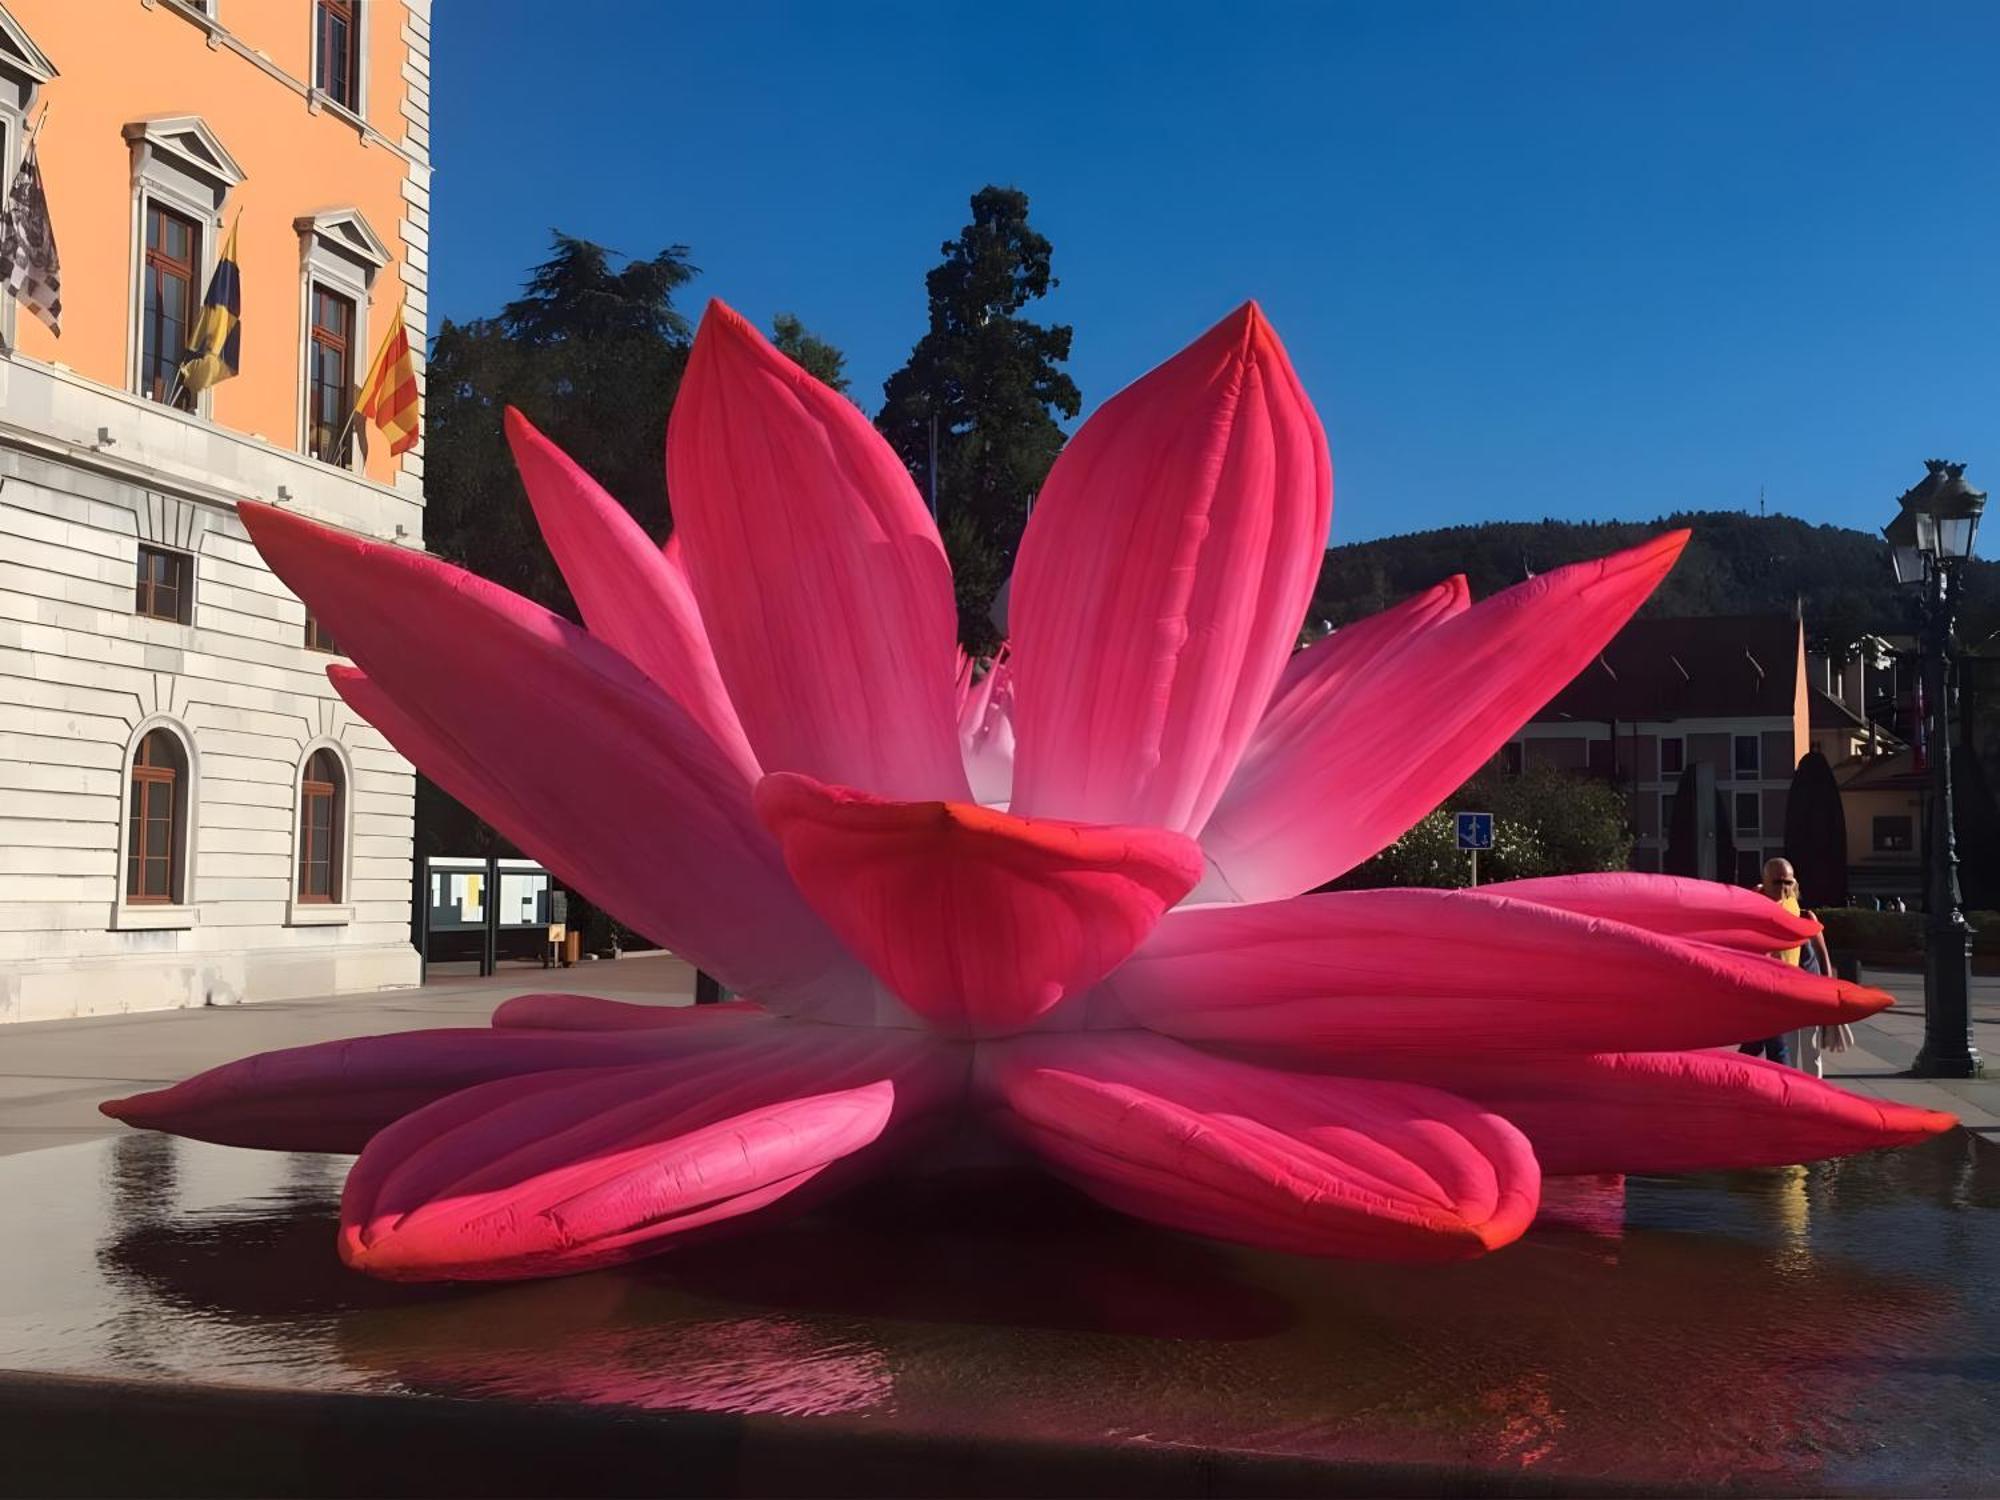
(36,129)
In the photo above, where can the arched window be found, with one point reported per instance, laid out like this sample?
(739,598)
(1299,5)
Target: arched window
(321,816)
(156,820)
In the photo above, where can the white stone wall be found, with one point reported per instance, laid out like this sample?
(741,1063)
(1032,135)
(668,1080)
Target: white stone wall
(80,671)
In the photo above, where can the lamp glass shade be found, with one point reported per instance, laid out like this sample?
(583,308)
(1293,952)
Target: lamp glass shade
(1908,564)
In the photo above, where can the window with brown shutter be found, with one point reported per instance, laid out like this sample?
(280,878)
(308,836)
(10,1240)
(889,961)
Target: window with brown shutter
(153,832)
(169,304)
(319,828)
(329,387)
(338,26)
(317,638)
(162,592)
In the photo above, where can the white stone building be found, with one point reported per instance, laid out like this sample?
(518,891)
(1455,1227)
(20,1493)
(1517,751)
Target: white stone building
(188,814)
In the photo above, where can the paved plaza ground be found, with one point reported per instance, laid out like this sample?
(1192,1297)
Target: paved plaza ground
(53,1073)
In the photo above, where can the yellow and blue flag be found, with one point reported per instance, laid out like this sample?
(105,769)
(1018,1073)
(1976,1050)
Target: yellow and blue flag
(215,350)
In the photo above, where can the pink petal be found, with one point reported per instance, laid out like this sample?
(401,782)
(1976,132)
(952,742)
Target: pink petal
(561,744)
(979,920)
(1161,583)
(986,732)
(563,1172)
(1432,971)
(1401,738)
(819,573)
(591,1013)
(1666,1111)
(631,598)
(1285,1161)
(332,1096)
(1702,911)
(1315,676)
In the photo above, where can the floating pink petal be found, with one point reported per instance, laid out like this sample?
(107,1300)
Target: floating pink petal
(1285,1161)
(979,920)
(333,1096)
(820,575)
(1668,1111)
(592,1013)
(1161,582)
(562,1172)
(631,597)
(1386,752)
(1701,911)
(1457,971)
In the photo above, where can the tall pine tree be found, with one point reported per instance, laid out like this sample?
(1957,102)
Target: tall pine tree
(989,383)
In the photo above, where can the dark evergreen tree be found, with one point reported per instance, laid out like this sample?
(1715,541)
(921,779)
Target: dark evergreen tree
(1816,832)
(989,382)
(812,354)
(1700,854)
(592,352)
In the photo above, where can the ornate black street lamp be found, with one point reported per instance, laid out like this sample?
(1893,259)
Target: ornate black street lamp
(1929,543)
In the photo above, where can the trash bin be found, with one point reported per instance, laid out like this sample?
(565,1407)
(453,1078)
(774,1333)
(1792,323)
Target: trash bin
(572,947)
(1847,966)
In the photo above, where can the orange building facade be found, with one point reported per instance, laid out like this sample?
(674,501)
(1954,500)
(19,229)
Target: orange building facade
(188,814)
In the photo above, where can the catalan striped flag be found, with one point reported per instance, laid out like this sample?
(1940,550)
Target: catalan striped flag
(389,394)
(215,349)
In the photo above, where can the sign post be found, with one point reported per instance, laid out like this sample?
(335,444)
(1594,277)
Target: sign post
(1475,832)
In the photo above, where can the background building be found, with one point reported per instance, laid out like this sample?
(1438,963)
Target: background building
(188,814)
(1669,693)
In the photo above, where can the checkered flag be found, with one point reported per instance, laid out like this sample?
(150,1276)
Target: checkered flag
(29,266)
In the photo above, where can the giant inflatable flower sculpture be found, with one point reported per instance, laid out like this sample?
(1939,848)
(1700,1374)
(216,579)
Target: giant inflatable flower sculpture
(1063,902)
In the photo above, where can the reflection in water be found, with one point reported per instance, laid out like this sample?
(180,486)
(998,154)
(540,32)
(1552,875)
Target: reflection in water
(1801,1330)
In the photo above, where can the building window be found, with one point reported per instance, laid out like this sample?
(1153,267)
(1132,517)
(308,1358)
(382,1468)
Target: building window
(1749,867)
(154,827)
(337,24)
(1673,755)
(317,638)
(320,797)
(1666,813)
(163,592)
(169,303)
(329,378)
(1894,835)
(1749,757)
(1510,758)
(1749,812)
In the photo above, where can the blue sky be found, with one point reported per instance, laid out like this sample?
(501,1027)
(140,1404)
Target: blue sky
(1578,260)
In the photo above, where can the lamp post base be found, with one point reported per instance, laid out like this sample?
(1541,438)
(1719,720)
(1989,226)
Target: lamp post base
(1965,1064)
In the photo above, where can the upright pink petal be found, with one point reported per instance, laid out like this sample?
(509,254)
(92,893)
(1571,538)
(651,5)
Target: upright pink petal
(986,733)
(564,746)
(1455,971)
(1399,739)
(333,1096)
(1161,583)
(819,573)
(1702,911)
(1285,1161)
(1665,1111)
(562,1172)
(631,597)
(980,921)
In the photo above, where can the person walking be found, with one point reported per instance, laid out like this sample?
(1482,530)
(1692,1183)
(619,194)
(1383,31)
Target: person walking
(1802,1048)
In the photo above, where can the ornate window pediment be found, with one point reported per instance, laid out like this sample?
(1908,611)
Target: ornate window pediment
(345,234)
(23,66)
(184,147)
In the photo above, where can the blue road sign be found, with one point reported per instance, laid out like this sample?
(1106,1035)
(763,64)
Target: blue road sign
(1475,830)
